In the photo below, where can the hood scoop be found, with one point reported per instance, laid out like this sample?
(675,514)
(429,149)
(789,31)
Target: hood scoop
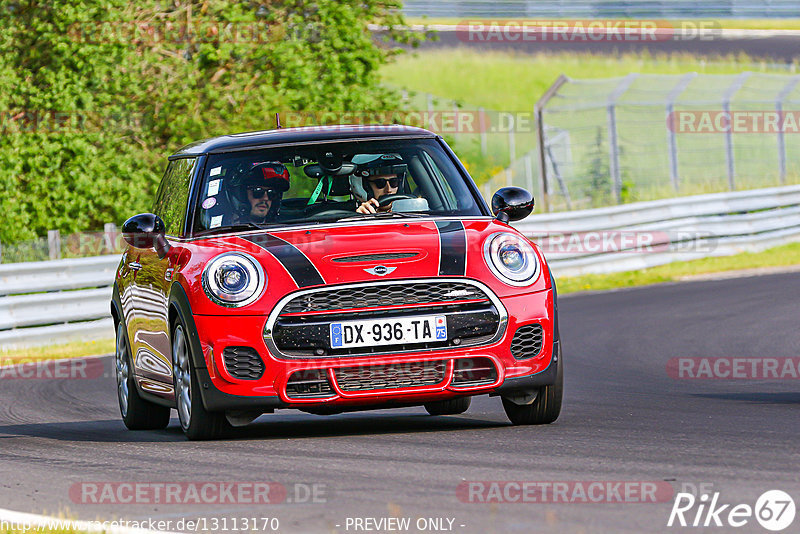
(376,257)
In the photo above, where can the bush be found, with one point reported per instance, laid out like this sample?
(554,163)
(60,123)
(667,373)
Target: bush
(91,103)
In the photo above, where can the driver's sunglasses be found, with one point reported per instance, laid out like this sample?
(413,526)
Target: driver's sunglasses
(259,192)
(380,183)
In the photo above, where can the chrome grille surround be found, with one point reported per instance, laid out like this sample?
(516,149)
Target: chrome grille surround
(442,286)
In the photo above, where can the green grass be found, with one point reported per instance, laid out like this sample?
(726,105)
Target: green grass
(784,255)
(751,24)
(512,82)
(54,352)
(515,81)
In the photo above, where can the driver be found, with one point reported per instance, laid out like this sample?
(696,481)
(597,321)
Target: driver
(376,179)
(263,188)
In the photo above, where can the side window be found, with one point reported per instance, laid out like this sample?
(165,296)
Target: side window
(173,194)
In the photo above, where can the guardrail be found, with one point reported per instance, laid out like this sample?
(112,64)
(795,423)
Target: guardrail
(57,301)
(676,9)
(646,234)
(69,299)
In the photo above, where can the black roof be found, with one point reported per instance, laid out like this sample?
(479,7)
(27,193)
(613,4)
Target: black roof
(226,143)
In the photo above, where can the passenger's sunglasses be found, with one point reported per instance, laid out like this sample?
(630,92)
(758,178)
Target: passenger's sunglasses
(259,192)
(380,183)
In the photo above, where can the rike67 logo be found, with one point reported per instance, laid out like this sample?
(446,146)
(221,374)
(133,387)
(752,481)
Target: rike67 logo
(774,510)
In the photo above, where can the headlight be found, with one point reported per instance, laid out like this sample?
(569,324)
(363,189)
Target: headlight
(511,259)
(233,279)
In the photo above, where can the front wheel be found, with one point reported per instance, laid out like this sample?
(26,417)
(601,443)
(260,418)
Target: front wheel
(547,406)
(137,413)
(197,423)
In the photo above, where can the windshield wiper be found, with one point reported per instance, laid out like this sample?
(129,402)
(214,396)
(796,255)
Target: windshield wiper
(387,215)
(232,228)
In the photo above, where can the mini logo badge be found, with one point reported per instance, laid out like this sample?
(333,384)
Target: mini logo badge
(380,270)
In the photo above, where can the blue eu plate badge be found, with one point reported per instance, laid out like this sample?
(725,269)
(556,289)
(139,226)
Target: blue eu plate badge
(336,335)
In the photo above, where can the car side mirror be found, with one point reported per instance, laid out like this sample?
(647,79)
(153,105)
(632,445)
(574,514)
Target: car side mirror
(146,231)
(512,204)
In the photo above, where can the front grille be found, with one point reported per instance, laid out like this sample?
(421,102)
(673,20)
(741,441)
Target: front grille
(473,372)
(527,342)
(301,328)
(243,363)
(309,384)
(414,293)
(376,257)
(393,376)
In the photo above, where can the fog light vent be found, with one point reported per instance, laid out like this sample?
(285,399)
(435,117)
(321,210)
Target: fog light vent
(243,363)
(527,342)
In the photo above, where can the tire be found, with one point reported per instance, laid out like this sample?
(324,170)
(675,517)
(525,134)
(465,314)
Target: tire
(449,407)
(197,423)
(137,413)
(547,406)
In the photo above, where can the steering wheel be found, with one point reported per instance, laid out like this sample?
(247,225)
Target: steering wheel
(388,199)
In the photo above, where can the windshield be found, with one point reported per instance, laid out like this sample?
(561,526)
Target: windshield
(319,183)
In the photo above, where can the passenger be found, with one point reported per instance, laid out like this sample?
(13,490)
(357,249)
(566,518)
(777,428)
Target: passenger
(263,189)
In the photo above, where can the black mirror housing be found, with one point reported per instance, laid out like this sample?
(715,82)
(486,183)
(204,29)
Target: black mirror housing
(146,230)
(512,204)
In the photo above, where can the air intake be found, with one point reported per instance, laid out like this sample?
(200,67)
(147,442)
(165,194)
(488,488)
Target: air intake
(469,372)
(309,384)
(376,257)
(243,363)
(527,342)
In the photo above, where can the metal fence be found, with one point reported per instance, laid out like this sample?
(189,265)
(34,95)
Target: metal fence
(484,148)
(601,8)
(56,246)
(646,137)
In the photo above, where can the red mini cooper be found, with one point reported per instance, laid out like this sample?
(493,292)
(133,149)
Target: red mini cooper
(330,269)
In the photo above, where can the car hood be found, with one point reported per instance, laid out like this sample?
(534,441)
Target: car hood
(377,251)
(373,251)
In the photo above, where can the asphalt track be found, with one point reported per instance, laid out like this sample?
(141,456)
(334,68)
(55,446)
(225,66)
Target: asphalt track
(624,419)
(758,45)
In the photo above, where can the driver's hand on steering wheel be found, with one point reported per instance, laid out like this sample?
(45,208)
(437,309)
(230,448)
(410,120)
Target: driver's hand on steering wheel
(372,206)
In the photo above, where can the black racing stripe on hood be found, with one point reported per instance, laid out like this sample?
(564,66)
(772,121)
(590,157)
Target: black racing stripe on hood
(299,266)
(452,248)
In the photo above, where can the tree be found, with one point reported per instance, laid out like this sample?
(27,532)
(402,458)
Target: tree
(94,93)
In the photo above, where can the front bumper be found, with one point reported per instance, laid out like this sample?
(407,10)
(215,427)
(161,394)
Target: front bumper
(222,391)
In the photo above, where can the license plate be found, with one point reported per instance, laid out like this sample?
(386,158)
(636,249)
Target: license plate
(397,331)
